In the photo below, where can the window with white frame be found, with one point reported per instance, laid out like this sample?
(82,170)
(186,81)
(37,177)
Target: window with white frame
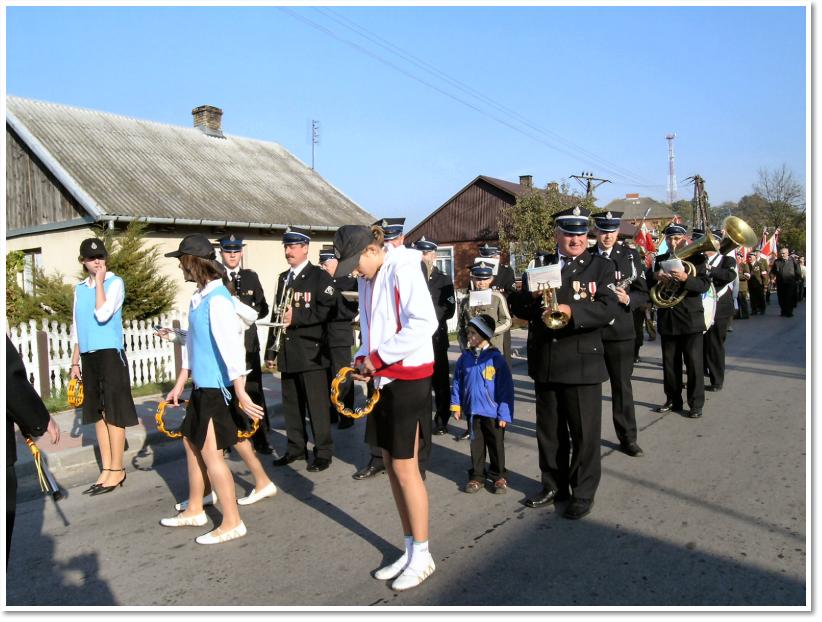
(445,260)
(32,261)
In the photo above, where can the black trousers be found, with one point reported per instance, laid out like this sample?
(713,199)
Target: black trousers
(639,330)
(11,507)
(620,364)
(441,384)
(757,298)
(307,393)
(487,437)
(744,311)
(340,357)
(713,350)
(786,293)
(677,349)
(254,388)
(564,409)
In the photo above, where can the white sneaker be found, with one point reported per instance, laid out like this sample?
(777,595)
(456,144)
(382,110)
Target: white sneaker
(198,520)
(392,570)
(412,577)
(209,499)
(209,538)
(268,491)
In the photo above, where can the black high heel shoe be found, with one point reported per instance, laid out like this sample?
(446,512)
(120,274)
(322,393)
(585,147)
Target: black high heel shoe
(93,487)
(104,489)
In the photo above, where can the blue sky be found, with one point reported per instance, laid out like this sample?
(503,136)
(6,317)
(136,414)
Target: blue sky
(730,81)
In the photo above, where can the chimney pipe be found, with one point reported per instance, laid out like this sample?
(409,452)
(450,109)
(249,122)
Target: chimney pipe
(526,181)
(208,119)
(553,186)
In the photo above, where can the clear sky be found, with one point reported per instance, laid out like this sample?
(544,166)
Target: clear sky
(415,102)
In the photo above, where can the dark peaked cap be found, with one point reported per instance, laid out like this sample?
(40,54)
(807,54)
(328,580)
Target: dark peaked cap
(294,235)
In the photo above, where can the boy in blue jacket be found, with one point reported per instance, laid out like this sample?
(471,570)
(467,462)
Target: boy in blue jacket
(484,389)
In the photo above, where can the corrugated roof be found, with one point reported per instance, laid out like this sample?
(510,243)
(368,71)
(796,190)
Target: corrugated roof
(634,209)
(137,168)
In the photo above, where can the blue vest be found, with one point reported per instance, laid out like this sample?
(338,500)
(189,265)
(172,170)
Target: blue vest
(91,334)
(208,370)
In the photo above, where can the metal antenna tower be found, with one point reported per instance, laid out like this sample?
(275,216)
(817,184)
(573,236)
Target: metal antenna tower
(315,139)
(671,175)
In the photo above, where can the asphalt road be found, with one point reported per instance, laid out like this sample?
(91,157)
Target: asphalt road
(713,515)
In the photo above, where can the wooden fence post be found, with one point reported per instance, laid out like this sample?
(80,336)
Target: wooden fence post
(43,360)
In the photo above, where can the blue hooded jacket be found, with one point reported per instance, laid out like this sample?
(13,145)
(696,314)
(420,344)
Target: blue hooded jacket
(483,385)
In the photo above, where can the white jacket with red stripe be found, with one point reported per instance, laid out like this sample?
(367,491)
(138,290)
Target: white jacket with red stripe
(397,319)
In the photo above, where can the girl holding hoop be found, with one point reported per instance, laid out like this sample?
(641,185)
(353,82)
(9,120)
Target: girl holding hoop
(397,320)
(97,334)
(215,357)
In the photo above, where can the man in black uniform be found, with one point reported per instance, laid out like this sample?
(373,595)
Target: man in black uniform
(248,288)
(722,272)
(787,273)
(568,367)
(681,328)
(619,337)
(505,282)
(340,333)
(442,294)
(302,359)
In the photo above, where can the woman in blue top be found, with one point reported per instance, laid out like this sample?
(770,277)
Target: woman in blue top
(214,356)
(97,335)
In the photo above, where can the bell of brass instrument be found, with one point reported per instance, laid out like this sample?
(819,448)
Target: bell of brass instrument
(277,322)
(737,233)
(556,319)
(667,294)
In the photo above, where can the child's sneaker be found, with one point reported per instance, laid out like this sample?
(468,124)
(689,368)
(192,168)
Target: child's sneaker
(500,486)
(472,486)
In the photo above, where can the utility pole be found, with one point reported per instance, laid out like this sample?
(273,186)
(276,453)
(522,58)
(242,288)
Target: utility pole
(587,179)
(671,175)
(315,139)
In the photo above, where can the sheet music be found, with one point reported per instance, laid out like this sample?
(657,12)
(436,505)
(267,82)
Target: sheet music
(479,298)
(544,276)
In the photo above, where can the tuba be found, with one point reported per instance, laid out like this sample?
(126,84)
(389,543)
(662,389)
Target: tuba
(668,294)
(737,233)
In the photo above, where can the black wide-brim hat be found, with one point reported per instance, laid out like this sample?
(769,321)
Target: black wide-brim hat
(349,243)
(196,245)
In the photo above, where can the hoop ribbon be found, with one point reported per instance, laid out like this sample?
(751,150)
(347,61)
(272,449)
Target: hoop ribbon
(335,396)
(75,393)
(161,409)
(38,463)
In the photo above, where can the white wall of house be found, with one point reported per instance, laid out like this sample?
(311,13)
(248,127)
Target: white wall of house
(263,254)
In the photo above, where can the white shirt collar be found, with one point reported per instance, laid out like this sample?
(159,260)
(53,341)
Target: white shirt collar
(296,271)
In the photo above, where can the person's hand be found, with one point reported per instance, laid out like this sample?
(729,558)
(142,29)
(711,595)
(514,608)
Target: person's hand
(53,430)
(566,309)
(679,275)
(75,372)
(247,405)
(164,333)
(663,276)
(269,364)
(502,424)
(100,276)
(368,367)
(287,317)
(174,395)
(622,295)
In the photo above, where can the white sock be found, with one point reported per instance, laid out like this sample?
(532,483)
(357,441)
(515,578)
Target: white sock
(420,557)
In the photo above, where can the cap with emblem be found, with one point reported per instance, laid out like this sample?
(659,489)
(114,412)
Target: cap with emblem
(573,220)
(326,253)
(231,243)
(294,235)
(349,243)
(484,324)
(482,270)
(196,245)
(486,250)
(392,227)
(607,222)
(425,245)
(92,247)
(675,229)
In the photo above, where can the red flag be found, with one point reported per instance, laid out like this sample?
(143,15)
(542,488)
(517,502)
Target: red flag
(765,245)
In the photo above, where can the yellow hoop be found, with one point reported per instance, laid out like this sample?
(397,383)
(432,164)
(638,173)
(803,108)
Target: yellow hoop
(75,393)
(161,409)
(335,396)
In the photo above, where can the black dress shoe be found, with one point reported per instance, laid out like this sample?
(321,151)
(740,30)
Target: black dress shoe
(440,430)
(463,436)
(632,449)
(264,449)
(286,459)
(369,471)
(695,413)
(667,406)
(544,498)
(578,508)
(714,388)
(320,464)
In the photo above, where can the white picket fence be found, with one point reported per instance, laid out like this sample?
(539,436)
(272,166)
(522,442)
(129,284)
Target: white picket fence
(150,358)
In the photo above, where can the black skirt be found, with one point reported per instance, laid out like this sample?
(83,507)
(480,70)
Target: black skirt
(107,388)
(206,405)
(402,405)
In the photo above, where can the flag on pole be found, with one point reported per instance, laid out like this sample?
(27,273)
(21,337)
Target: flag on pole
(765,245)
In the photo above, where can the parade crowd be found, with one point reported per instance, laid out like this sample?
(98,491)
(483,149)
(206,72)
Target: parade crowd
(587,307)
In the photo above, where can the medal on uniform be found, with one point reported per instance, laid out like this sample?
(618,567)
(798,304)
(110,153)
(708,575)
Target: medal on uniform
(592,287)
(307,299)
(576,286)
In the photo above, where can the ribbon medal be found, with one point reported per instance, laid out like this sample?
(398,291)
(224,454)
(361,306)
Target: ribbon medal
(576,285)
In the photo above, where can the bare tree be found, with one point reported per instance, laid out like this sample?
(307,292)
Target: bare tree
(783,194)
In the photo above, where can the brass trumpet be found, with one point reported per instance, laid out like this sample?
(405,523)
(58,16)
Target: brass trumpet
(277,321)
(555,319)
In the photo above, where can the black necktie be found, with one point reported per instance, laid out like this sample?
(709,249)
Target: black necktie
(290,281)
(235,278)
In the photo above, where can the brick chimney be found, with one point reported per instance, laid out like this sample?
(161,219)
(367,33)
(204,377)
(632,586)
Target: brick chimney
(553,186)
(526,181)
(208,119)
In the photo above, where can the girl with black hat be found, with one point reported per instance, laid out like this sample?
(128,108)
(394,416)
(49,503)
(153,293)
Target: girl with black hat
(97,335)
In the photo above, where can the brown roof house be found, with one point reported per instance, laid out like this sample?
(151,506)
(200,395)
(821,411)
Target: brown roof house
(467,220)
(68,168)
(634,208)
